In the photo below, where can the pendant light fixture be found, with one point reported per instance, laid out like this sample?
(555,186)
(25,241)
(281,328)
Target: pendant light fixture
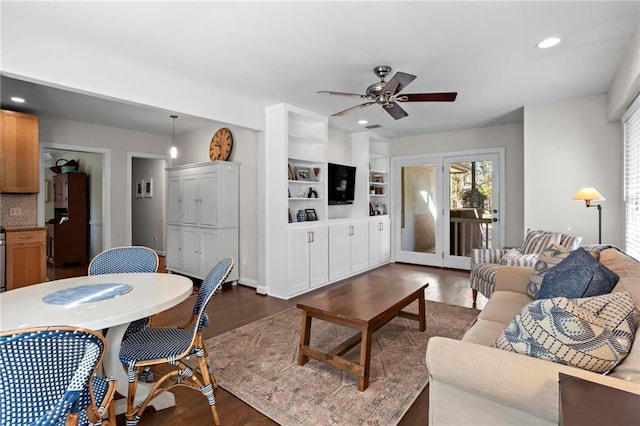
(174,150)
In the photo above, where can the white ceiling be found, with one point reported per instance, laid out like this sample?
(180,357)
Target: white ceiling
(268,53)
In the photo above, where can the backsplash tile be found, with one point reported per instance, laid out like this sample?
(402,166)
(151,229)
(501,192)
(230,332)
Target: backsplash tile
(28,205)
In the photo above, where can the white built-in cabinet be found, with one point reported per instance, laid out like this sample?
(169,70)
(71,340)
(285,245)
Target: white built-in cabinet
(348,248)
(296,257)
(308,265)
(202,217)
(379,240)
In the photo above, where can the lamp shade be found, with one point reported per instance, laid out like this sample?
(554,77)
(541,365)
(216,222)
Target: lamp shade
(588,195)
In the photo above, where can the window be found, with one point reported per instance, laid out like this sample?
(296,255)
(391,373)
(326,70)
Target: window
(631,122)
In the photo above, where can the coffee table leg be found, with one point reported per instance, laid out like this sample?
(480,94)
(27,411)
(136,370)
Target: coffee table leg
(305,337)
(365,357)
(422,321)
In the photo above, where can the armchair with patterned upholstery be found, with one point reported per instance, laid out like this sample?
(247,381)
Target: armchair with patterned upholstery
(485,262)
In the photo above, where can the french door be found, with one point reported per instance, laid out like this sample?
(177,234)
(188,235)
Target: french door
(446,206)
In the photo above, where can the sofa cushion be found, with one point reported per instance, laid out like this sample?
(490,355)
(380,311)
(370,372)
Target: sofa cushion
(514,258)
(549,258)
(627,268)
(483,332)
(536,241)
(594,334)
(503,306)
(577,275)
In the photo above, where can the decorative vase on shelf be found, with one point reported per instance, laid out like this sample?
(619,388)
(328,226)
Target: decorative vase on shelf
(312,193)
(301,216)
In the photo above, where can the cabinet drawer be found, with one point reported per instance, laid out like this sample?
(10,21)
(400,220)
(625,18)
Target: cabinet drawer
(26,237)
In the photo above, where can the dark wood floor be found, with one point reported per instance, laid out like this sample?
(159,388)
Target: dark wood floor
(240,305)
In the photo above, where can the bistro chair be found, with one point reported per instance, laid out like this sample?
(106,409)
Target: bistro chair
(48,377)
(153,346)
(122,260)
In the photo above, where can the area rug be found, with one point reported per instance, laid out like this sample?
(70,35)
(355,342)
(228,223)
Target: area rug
(258,364)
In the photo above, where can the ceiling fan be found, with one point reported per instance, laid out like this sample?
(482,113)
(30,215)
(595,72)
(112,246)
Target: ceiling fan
(385,93)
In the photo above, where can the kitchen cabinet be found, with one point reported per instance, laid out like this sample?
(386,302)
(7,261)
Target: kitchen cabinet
(19,153)
(379,240)
(348,248)
(26,258)
(308,265)
(202,217)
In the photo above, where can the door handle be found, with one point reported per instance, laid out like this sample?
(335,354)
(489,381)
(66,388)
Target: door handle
(495,219)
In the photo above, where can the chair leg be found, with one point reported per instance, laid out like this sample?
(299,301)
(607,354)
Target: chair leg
(474,294)
(207,388)
(131,414)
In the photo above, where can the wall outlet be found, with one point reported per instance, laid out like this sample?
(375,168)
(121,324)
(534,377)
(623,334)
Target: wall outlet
(15,211)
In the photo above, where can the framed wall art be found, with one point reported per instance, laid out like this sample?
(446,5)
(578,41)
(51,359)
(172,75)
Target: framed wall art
(148,188)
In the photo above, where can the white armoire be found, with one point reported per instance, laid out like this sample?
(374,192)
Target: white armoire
(202,217)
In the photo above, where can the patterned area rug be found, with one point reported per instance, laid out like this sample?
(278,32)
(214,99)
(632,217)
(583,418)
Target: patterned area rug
(258,364)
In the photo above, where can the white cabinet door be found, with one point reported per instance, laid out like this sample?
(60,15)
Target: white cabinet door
(191,199)
(339,251)
(209,250)
(359,246)
(319,256)
(209,195)
(298,265)
(385,240)
(174,247)
(191,259)
(175,204)
(374,242)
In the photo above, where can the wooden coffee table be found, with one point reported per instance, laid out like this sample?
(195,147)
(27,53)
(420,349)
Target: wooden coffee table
(365,303)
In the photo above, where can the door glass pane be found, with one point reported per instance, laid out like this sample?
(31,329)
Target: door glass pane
(419,209)
(470,204)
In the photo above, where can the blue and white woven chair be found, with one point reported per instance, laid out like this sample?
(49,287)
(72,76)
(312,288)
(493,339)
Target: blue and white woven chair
(48,377)
(153,346)
(122,260)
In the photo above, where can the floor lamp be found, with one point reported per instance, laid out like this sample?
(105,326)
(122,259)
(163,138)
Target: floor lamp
(589,195)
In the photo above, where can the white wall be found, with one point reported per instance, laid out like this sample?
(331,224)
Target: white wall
(147,214)
(509,136)
(118,142)
(569,145)
(193,147)
(625,85)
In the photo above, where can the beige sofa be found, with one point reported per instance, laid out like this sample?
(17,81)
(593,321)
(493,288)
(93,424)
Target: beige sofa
(472,383)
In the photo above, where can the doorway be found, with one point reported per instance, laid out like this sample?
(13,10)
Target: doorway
(96,162)
(447,205)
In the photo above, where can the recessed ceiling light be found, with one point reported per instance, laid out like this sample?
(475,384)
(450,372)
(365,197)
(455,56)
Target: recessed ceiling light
(362,122)
(17,99)
(548,42)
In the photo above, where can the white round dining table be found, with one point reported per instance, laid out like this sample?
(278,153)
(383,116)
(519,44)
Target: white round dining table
(98,302)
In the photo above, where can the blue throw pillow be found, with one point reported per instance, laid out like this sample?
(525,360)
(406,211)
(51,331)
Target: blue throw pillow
(578,275)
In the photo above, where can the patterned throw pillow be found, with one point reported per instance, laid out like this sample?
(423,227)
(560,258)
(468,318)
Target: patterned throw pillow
(514,258)
(549,258)
(594,334)
(536,241)
(578,275)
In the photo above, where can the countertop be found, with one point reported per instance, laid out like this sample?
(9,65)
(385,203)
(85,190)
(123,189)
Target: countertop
(24,228)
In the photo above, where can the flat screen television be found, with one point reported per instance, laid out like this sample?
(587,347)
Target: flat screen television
(342,183)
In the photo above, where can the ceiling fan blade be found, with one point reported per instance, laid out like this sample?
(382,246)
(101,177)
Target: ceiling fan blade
(346,111)
(395,110)
(427,97)
(327,92)
(399,81)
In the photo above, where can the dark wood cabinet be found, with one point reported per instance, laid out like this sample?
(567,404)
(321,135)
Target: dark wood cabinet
(68,231)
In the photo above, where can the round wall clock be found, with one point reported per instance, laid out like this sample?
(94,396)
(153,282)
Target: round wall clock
(221,144)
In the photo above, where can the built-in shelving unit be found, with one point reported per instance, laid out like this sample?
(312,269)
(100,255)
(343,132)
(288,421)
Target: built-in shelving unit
(299,253)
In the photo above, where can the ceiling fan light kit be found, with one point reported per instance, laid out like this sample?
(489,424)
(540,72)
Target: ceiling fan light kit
(386,93)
